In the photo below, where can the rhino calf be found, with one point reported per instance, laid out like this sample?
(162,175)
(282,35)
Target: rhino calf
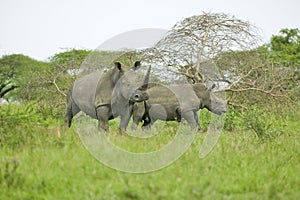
(172,103)
(106,95)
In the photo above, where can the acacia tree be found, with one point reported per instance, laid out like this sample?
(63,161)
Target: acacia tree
(220,48)
(198,40)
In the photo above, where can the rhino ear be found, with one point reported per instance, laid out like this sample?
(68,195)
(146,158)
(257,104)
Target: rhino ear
(137,65)
(118,65)
(212,87)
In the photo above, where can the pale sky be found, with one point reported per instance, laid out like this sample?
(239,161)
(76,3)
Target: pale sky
(41,28)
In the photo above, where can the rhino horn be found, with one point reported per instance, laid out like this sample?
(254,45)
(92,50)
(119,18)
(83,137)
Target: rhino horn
(146,80)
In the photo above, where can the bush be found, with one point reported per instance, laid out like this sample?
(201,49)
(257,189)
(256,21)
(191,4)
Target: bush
(260,121)
(19,124)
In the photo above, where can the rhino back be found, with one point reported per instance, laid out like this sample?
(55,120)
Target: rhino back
(83,93)
(174,96)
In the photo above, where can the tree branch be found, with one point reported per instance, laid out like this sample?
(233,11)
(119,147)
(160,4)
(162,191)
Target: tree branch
(57,88)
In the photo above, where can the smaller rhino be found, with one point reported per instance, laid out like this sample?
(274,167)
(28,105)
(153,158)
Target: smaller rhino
(172,103)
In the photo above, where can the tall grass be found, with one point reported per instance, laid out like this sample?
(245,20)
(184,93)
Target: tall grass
(42,160)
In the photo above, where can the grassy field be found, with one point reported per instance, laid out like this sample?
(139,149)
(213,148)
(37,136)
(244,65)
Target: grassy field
(52,163)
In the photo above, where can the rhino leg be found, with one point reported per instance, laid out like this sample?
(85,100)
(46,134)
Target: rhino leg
(125,117)
(148,121)
(103,115)
(197,120)
(138,111)
(135,122)
(178,113)
(190,118)
(124,123)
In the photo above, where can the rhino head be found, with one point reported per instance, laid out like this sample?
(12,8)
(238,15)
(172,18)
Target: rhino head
(130,86)
(140,94)
(209,100)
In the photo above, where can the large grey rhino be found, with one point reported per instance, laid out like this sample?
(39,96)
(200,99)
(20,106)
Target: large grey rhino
(106,95)
(172,103)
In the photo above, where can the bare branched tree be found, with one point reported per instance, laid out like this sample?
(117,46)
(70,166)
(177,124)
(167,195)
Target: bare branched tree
(196,41)
(220,48)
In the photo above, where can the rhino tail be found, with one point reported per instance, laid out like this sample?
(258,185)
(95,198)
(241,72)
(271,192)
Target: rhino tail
(69,112)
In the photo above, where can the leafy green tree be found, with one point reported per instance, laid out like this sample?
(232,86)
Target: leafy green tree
(15,72)
(49,86)
(69,59)
(285,48)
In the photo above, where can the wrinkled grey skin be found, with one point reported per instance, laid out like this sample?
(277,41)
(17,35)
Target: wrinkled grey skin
(107,95)
(172,103)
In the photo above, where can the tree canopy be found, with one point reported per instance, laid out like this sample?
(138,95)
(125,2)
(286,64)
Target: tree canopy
(15,71)
(285,48)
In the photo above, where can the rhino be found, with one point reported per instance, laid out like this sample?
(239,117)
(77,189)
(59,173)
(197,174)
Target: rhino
(174,102)
(107,95)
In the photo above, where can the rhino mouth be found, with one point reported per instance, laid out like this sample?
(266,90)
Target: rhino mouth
(139,96)
(219,111)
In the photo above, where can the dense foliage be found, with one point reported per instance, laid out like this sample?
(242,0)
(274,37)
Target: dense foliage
(16,71)
(285,48)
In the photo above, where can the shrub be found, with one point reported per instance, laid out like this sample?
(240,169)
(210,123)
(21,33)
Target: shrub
(19,124)
(263,123)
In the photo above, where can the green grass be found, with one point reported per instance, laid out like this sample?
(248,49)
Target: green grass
(241,166)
